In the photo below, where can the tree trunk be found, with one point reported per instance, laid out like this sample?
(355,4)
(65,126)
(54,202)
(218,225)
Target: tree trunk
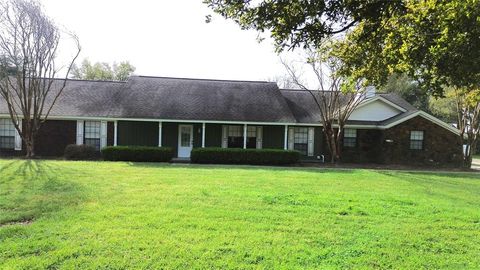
(30,147)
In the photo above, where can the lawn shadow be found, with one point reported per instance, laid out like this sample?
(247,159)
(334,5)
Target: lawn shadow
(153,165)
(31,189)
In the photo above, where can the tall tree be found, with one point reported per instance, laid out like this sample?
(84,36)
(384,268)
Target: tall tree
(408,89)
(294,23)
(103,71)
(335,96)
(435,42)
(29,43)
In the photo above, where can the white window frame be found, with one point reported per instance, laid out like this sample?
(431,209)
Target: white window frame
(417,137)
(7,130)
(350,137)
(93,135)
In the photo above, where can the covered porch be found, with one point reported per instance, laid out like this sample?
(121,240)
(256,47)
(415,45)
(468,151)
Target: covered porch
(182,137)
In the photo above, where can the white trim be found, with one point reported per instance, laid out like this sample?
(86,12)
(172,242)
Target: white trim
(356,126)
(427,116)
(291,138)
(285,138)
(160,128)
(259,137)
(310,141)
(172,120)
(18,138)
(224,136)
(115,133)
(103,134)
(80,127)
(203,135)
(244,136)
(180,140)
(388,102)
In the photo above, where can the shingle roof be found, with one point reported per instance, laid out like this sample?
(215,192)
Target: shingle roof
(305,110)
(82,98)
(195,99)
(173,98)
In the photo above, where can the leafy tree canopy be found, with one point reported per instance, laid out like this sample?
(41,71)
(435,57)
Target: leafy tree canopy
(103,71)
(408,89)
(435,42)
(294,23)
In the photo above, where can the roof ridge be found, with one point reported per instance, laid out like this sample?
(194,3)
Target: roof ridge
(199,79)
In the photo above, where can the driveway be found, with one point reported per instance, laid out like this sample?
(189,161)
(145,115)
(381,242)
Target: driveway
(476,163)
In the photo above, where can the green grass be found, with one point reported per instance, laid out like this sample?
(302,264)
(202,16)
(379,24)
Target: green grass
(91,215)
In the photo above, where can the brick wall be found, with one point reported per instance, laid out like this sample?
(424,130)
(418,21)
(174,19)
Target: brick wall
(54,136)
(441,146)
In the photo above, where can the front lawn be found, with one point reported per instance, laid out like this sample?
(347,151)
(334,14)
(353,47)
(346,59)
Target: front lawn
(90,215)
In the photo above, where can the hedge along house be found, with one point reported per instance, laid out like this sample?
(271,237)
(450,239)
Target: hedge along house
(187,113)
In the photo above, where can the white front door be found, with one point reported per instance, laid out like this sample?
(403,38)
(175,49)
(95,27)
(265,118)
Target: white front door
(185,140)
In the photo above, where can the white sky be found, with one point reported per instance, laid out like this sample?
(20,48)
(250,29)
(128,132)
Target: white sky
(166,38)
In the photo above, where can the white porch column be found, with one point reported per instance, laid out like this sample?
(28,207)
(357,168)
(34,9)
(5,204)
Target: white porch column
(245,136)
(103,133)
(285,138)
(115,132)
(159,134)
(203,135)
(80,128)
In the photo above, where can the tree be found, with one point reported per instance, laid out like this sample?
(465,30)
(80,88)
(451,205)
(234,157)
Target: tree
(335,96)
(408,89)
(103,71)
(437,43)
(444,108)
(468,111)
(294,23)
(29,43)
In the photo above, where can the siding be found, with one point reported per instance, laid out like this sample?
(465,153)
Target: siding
(273,137)
(170,136)
(137,133)
(110,133)
(213,135)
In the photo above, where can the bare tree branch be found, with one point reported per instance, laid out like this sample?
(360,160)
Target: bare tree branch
(336,97)
(29,43)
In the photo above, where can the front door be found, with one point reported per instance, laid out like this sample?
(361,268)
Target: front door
(185,140)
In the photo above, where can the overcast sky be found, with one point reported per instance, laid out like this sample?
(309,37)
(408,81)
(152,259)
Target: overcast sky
(165,38)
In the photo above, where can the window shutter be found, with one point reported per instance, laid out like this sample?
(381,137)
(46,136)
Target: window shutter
(18,138)
(311,136)
(103,134)
(79,132)
(224,136)
(291,138)
(259,137)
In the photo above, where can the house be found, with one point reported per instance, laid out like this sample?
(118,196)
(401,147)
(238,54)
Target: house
(186,113)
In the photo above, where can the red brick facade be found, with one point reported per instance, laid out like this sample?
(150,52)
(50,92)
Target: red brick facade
(441,147)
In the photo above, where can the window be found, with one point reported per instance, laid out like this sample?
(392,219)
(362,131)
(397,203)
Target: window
(349,137)
(251,137)
(416,140)
(185,136)
(7,134)
(300,140)
(92,134)
(235,137)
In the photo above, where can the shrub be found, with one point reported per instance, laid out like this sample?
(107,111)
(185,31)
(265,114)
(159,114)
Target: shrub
(244,156)
(137,153)
(80,152)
